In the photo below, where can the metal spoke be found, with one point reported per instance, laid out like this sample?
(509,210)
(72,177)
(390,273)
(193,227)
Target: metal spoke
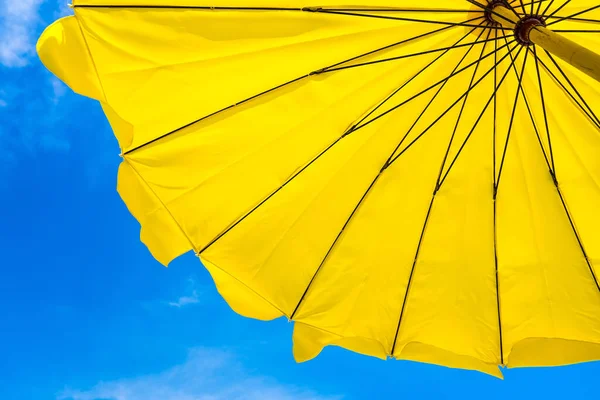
(512,65)
(361,201)
(577,30)
(460,113)
(410,80)
(423,230)
(424,21)
(576,19)
(523,7)
(424,91)
(558,9)
(547,8)
(539,6)
(577,237)
(453,104)
(348,132)
(574,15)
(304,76)
(485,7)
(512,118)
(590,114)
(391,9)
(537,68)
(501,340)
(412,55)
(537,133)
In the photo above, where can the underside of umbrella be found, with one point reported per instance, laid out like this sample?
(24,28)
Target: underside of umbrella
(411,179)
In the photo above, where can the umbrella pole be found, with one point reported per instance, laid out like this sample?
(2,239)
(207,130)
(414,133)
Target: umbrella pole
(531,31)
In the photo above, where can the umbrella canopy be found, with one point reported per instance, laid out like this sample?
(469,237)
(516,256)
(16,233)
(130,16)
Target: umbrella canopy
(400,178)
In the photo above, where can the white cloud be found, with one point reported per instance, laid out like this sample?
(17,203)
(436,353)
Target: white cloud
(185,300)
(207,374)
(59,89)
(18,19)
(192,298)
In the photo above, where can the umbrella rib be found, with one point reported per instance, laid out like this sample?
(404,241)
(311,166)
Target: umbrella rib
(501,337)
(510,125)
(577,30)
(575,19)
(364,196)
(348,132)
(391,159)
(486,8)
(574,88)
(316,72)
(304,9)
(558,9)
(452,105)
(531,3)
(579,241)
(437,22)
(555,181)
(364,124)
(410,80)
(460,113)
(523,7)
(412,55)
(390,9)
(539,7)
(547,7)
(539,77)
(537,133)
(436,190)
(591,115)
(574,15)
(183,7)
(512,65)
(329,68)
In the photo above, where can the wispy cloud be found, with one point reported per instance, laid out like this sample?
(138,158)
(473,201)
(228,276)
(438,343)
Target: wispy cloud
(17,34)
(191,296)
(208,374)
(185,300)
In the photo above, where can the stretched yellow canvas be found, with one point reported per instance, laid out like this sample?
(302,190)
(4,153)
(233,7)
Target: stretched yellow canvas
(407,179)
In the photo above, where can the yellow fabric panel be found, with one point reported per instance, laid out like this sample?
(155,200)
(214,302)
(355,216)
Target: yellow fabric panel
(452,303)
(277,248)
(432,4)
(546,288)
(157,79)
(63,50)
(552,352)
(305,252)
(160,232)
(422,352)
(241,298)
(309,341)
(374,255)
(576,144)
(243,161)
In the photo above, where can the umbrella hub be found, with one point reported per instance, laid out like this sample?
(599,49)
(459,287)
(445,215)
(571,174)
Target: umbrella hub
(522,27)
(525,25)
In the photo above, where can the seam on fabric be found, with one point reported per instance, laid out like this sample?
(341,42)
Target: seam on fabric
(161,202)
(80,24)
(201,257)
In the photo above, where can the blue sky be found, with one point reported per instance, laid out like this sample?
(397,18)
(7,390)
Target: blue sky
(87,314)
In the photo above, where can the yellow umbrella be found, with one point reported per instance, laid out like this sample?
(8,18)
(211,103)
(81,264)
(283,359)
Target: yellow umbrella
(400,178)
